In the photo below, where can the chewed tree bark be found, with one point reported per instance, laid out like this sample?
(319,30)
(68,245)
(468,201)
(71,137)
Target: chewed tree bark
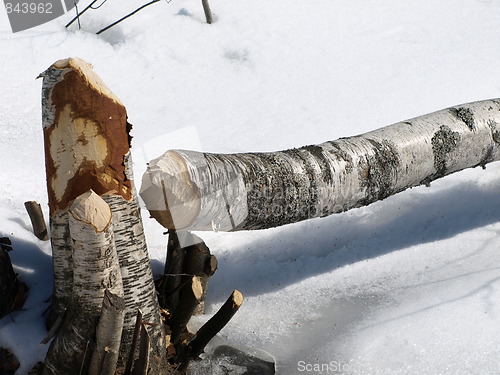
(87,147)
(226,192)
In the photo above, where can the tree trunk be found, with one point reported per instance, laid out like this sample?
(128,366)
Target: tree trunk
(87,146)
(96,269)
(263,190)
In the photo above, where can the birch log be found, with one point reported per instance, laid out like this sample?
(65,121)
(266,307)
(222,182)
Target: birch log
(87,146)
(226,192)
(96,269)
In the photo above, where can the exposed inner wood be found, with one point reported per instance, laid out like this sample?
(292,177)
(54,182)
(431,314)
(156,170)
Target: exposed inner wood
(175,202)
(88,138)
(91,209)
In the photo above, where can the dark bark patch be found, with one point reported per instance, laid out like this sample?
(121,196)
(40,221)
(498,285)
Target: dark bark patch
(495,132)
(277,195)
(488,158)
(326,172)
(378,171)
(443,142)
(465,115)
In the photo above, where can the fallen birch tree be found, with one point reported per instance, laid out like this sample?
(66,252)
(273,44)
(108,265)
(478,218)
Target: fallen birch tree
(227,192)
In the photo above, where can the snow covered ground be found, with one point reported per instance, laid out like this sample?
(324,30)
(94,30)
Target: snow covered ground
(409,285)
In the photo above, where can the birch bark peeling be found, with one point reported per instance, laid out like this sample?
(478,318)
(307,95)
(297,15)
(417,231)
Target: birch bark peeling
(230,192)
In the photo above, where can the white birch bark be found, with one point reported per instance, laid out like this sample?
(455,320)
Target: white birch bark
(87,146)
(202,191)
(108,336)
(95,269)
(62,265)
(137,276)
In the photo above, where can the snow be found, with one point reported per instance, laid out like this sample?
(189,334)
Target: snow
(409,285)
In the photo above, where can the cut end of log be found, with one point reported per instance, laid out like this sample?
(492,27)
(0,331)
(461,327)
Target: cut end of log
(197,288)
(170,195)
(86,135)
(237,298)
(91,209)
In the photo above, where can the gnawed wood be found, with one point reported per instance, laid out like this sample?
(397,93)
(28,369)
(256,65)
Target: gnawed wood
(95,269)
(37,221)
(190,298)
(199,262)
(263,190)
(87,146)
(86,134)
(86,137)
(187,256)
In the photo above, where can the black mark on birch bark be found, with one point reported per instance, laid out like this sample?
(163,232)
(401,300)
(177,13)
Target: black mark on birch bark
(443,142)
(326,172)
(277,194)
(488,158)
(378,171)
(495,132)
(465,115)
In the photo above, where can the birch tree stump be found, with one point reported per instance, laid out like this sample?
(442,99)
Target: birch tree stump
(87,146)
(96,269)
(228,192)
